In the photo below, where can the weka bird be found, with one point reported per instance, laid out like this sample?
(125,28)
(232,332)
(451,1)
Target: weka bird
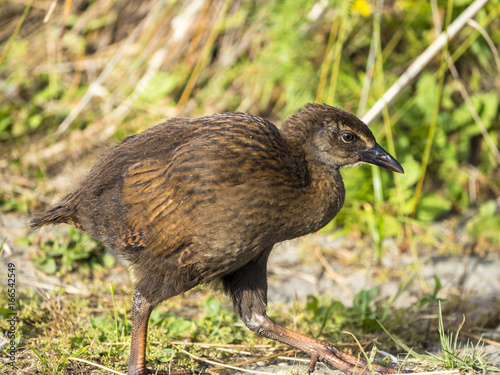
(193,201)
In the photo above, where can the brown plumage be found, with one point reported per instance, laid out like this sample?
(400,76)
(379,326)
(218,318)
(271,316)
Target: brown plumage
(192,201)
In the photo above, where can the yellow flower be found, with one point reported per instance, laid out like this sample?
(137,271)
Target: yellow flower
(362,7)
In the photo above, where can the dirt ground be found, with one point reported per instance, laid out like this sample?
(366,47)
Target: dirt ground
(297,269)
(476,279)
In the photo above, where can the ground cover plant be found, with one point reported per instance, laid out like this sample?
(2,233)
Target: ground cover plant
(77,76)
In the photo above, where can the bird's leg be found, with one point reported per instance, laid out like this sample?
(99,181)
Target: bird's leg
(248,288)
(318,350)
(141,310)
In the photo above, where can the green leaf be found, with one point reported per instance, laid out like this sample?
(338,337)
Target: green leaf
(312,304)
(165,355)
(46,265)
(159,87)
(433,207)
(426,94)
(486,227)
(212,307)
(488,209)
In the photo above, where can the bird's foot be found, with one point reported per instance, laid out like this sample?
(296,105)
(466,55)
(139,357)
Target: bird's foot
(333,357)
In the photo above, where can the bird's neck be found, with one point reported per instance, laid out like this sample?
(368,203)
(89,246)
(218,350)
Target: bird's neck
(323,196)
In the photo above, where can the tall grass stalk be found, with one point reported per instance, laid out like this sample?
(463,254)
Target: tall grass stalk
(454,355)
(369,365)
(437,105)
(16,31)
(115,313)
(380,79)
(325,65)
(377,233)
(462,48)
(344,22)
(202,60)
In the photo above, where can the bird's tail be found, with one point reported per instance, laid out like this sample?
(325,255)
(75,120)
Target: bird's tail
(63,213)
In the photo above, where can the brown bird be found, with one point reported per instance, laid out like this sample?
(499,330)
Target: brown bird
(204,200)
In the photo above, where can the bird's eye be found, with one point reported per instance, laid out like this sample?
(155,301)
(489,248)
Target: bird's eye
(348,137)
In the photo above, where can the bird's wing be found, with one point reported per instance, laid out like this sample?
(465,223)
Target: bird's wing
(204,182)
(157,204)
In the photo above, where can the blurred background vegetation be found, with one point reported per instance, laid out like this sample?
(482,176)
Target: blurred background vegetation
(77,76)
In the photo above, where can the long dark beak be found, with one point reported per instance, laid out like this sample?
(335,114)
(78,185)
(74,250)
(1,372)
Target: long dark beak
(378,156)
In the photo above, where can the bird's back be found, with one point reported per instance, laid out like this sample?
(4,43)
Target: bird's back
(95,204)
(185,181)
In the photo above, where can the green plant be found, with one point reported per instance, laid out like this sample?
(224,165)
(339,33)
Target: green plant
(67,251)
(486,225)
(267,59)
(47,363)
(432,298)
(455,355)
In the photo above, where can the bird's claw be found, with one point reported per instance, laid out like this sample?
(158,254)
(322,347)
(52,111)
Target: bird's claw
(336,358)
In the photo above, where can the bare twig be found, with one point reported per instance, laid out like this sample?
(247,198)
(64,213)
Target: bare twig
(370,63)
(222,365)
(480,338)
(4,246)
(291,272)
(96,86)
(203,58)
(49,12)
(418,65)
(16,31)
(96,365)
(211,345)
(259,359)
(488,40)
(55,286)
(331,272)
(154,65)
(444,372)
(461,87)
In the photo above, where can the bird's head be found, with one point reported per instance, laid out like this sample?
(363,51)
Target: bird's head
(337,138)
